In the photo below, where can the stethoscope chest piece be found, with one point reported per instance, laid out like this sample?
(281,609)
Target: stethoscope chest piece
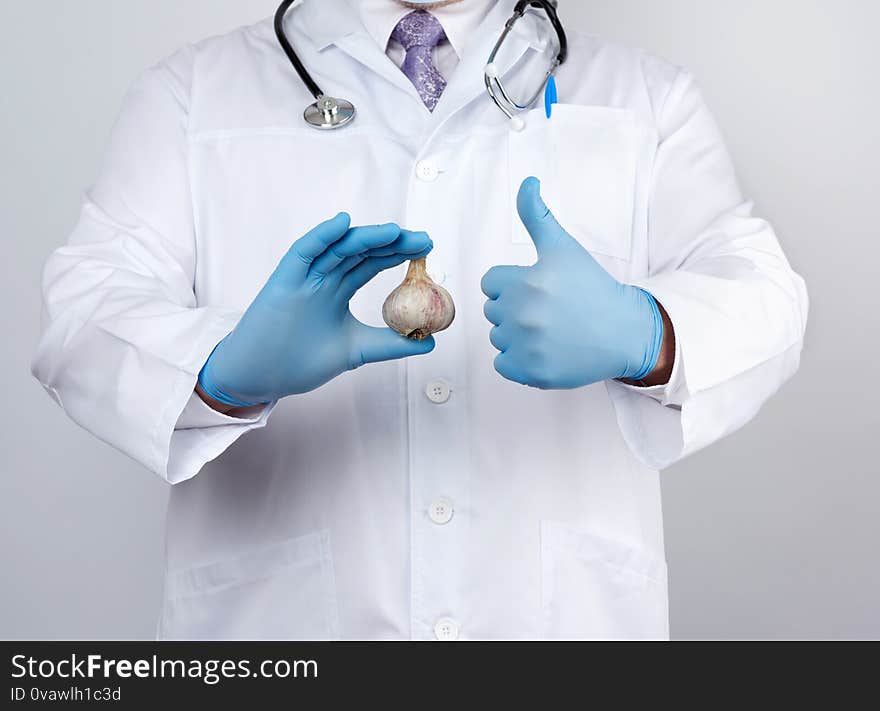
(328,112)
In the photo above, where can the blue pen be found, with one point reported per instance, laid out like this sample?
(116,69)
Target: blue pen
(550,96)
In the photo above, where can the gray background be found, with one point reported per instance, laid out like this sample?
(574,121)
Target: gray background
(772,533)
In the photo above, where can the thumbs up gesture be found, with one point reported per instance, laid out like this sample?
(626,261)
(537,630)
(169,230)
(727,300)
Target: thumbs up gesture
(565,322)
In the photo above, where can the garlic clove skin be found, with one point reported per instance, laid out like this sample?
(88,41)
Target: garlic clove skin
(418,307)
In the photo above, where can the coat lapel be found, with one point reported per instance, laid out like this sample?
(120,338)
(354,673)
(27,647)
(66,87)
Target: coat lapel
(335,23)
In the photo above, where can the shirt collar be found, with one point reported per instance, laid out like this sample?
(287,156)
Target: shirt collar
(460,20)
(326,22)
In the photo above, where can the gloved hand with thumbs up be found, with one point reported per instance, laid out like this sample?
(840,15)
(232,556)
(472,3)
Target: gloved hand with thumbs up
(565,322)
(299,332)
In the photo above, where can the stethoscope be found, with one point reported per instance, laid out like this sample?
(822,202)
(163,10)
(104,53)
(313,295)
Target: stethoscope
(329,112)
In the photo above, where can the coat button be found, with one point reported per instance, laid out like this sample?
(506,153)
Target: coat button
(446,630)
(441,511)
(438,391)
(427,171)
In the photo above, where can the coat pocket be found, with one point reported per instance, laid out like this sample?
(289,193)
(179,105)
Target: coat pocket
(284,591)
(586,158)
(599,589)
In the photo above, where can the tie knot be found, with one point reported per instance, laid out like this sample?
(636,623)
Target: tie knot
(419,29)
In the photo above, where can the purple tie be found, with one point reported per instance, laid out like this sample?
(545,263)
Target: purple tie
(419,32)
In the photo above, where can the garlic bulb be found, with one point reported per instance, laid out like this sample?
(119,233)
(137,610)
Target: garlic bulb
(418,307)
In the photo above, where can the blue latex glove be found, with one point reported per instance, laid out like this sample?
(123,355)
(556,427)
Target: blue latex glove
(565,322)
(299,332)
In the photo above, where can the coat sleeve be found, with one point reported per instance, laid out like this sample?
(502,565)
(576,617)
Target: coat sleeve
(123,335)
(738,309)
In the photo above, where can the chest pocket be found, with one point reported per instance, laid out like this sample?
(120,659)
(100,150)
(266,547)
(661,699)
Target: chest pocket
(587,160)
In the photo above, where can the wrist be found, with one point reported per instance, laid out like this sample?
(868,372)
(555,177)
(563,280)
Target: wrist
(661,373)
(215,393)
(209,386)
(215,405)
(647,349)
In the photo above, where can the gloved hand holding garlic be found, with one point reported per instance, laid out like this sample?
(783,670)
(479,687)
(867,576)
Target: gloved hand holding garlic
(418,307)
(299,332)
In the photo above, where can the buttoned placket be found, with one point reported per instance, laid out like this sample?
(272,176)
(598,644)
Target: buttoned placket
(439,444)
(437,398)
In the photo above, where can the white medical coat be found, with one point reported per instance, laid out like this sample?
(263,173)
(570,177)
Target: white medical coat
(427,498)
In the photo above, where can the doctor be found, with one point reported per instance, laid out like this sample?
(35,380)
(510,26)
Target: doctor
(216,316)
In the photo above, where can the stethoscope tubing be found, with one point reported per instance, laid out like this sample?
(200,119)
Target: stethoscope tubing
(507,105)
(300,68)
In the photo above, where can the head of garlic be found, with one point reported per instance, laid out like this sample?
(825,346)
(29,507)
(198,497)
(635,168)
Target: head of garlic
(418,307)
